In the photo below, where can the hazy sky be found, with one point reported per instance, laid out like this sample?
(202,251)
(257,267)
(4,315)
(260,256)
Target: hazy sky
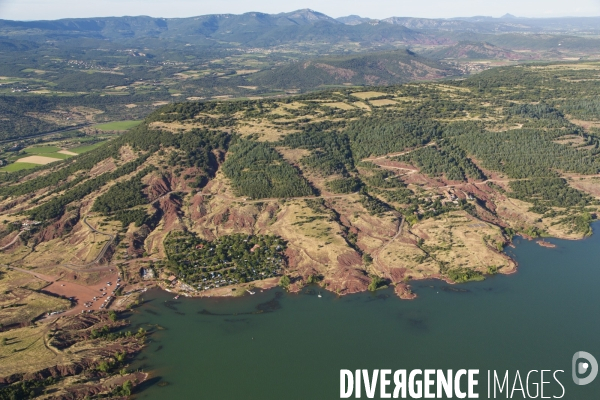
(54,9)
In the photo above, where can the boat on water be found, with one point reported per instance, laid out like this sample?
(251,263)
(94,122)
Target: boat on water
(320,294)
(250,292)
(176,297)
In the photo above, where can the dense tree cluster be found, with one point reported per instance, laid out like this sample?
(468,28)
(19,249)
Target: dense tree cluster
(552,192)
(585,109)
(27,389)
(128,217)
(447,161)
(373,205)
(344,185)
(56,207)
(330,151)
(124,194)
(381,178)
(258,171)
(387,132)
(524,153)
(227,260)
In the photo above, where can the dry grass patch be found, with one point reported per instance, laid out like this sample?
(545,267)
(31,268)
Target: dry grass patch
(67,152)
(296,105)
(20,301)
(20,306)
(570,140)
(589,185)
(265,131)
(383,103)
(246,71)
(340,105)
(362,105)
(518,216)
(460,241)
(368,95)
(293,156)
(25,351)
(586,125)
(40,160)
(311,233)
(175,127)
(402,254)
(579,67)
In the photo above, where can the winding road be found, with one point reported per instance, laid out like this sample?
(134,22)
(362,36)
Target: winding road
(111,239)
(12,242)
(382,248)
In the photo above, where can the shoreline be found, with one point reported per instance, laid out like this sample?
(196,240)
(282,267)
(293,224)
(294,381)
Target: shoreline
(402,290)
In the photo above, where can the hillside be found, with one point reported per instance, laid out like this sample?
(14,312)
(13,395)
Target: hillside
(476,51)
(351,189)
(372,69)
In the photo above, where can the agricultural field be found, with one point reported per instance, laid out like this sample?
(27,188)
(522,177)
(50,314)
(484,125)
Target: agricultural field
(117,126)
(35,155)
(86,148)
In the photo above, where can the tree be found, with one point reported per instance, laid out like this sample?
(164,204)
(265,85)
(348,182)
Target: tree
(104,366)
(112,315)
(285,281)
(376,282)
(127,386)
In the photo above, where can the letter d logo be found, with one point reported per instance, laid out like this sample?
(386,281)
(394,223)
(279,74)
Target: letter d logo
(582,367)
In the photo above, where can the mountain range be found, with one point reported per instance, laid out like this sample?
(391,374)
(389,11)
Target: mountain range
(256,28)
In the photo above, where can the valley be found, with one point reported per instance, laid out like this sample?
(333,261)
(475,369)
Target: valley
(222,156)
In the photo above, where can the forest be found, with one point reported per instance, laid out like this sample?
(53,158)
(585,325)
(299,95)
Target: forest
(389,132)
(258,171)
(123,195)
(527,153)
(443,161)
(330,151)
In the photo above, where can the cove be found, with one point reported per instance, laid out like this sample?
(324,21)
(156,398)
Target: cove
(275,345)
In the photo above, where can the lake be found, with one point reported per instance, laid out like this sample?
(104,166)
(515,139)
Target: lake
(275,345)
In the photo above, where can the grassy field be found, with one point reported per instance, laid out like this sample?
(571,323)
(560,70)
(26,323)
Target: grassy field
(46,151)
(42,150)
(49,151)
(18,167)
(367,95)
(86,148)
(117,126)
(25,351)
(20,304)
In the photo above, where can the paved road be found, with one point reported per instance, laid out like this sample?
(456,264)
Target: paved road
(72,128)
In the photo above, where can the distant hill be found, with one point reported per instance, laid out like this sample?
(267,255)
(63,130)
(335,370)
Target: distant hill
(475,50)
(384,68)
(353,20)
(260,29)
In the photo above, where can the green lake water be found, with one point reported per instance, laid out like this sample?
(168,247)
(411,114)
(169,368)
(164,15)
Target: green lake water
(294,349)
